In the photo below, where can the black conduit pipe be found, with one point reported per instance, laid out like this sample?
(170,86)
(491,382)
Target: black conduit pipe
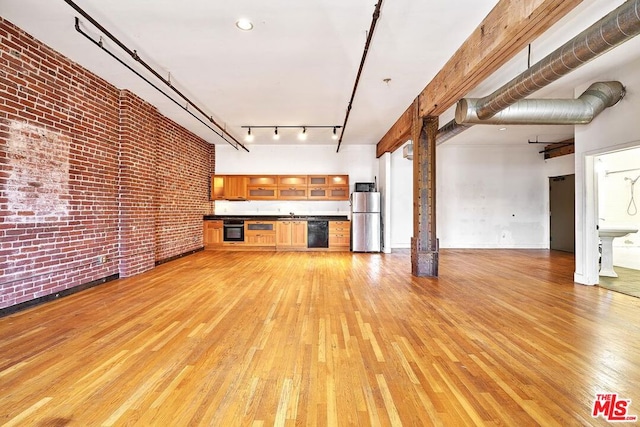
(376,15)
(135,56)
(101,46)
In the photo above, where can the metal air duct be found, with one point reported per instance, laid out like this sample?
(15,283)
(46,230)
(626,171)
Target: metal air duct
(612,30)
(547,111)
(450,130)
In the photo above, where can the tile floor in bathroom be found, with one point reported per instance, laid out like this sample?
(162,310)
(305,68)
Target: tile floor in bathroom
(627,282)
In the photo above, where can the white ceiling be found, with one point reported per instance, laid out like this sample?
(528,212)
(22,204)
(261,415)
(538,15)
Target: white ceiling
(299,63)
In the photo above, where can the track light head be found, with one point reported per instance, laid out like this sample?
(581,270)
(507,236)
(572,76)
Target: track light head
(249,137)
(334,135)
(303,135)
(276,136)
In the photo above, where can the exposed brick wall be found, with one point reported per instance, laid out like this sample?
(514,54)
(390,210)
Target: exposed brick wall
(87,170)
(138,136)
(182,179)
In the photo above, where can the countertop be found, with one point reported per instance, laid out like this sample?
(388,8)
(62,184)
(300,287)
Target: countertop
(277,217)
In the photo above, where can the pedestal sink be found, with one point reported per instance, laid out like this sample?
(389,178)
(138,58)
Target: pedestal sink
(606,236)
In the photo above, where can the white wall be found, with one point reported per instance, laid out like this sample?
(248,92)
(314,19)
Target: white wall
(492,196)
(384,186)
(357,161)
(559,166)
(479,190)
(401,200)
(615,128)
(614,203)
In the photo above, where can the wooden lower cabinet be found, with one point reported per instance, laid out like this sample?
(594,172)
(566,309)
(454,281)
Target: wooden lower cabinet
(275,235)
(340,235)
(212,233)
(262,239)
(260,233)
(283,234)
(291,234)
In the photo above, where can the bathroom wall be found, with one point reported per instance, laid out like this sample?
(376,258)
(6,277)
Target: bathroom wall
(615,208)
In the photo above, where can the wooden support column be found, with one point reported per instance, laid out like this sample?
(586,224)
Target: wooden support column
(424,244)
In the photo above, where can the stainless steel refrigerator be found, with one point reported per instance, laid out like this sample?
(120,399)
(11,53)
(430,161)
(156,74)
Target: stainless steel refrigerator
(365,222)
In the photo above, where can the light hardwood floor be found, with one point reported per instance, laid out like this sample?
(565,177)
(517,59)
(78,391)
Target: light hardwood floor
(290,338)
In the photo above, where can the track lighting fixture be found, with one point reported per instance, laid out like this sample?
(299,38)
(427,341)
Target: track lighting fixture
(249,137)
(302,136)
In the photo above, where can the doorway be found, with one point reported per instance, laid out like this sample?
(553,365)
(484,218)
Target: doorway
(562,213)
(616,195)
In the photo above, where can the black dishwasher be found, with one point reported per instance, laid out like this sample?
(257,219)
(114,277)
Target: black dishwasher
(317,234)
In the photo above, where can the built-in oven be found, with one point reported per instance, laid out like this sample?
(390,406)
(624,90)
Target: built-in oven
(233,230)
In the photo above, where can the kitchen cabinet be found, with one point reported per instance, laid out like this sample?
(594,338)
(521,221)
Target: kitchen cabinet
(338,187)
(338,193)
(328,180)
(212,233)
(235,187)
(262,187)
(260,233)
(280,187)
(292,187)
(328,187)
(291,234)
(339,235)
(318,180)
(228,187)
(338,180)
(328,193)
(292,193)
(217,187)
(292,180)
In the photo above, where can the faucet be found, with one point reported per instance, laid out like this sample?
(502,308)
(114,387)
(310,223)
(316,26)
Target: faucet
(292,214)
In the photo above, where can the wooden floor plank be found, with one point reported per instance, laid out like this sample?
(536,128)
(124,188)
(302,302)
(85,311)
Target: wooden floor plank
(502,337)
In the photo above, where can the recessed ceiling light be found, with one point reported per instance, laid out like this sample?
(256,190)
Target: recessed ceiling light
(502,129)
(244,24)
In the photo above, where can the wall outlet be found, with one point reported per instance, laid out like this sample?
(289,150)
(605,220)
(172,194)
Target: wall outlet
(101,259)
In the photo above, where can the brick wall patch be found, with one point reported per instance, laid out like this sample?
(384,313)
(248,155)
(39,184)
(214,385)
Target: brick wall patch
(38,183)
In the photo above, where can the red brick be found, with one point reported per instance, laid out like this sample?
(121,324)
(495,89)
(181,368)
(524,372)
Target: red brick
(46,250)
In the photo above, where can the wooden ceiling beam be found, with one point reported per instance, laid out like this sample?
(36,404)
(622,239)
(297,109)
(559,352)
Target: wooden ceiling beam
(399,133)
(507,29)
